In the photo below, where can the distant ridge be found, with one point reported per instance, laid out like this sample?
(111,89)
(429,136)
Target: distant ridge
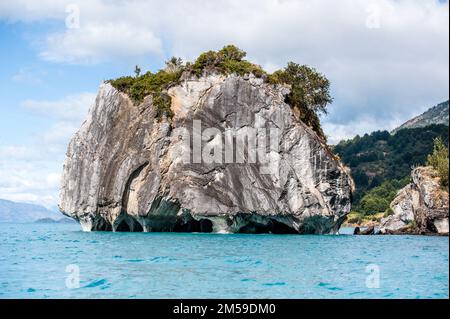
(24,213)
(48,220)
(436,115)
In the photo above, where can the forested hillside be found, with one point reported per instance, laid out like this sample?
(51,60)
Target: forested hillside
(381,162)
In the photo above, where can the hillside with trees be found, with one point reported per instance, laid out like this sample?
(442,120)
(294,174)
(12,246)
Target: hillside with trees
(381,163)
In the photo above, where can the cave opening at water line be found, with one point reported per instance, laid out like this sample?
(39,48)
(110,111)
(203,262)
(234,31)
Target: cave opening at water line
(193,226)
(129,225)
(103,225)
(271,227)
(123,226)
(137,227)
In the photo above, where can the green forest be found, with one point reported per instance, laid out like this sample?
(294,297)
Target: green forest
(381,163)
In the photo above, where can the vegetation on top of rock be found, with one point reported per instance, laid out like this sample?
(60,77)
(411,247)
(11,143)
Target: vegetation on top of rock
(379,157)
(309,94)
(438,159)
(154,84)
(137,71)
(228,60)
(174,65)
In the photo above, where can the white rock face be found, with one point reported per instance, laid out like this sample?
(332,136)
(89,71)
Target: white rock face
(441,225)
(126,170)
(420,207)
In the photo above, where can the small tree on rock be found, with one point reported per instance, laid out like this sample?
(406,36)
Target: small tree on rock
(174,65)
(310,92)
(137,71)
(438,159)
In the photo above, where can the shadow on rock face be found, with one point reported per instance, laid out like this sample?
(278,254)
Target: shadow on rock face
(185,223)
(198,226)
(317,225)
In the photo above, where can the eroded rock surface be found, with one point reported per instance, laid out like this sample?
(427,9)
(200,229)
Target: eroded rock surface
(125,169)
(420,207)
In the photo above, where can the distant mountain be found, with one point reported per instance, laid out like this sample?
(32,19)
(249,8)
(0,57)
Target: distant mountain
(435,115)
(24,213)
(63,220)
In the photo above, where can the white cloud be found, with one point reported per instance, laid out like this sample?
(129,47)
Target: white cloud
(337,132)
(31,172)
(401,65)
(53,179)
(60,133)
(271,29)
(14,151)
(95,43)
(32,10)
(72,107)
(380,76)
(31,181)
(27,76)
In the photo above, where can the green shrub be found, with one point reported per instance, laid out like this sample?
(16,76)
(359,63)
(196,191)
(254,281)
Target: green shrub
(378,199)
(231,52)
(378,157)
(309,89)
(372,205)
(123,84)
(228,60)
(155,85)
(411,224)
(438,159)
(354,218)
(162,104)
(310,92)
(137,71)
(388,212)
(174,65)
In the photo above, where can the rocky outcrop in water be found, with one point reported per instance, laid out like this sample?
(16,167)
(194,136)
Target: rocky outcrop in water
(420,208)
(126,170)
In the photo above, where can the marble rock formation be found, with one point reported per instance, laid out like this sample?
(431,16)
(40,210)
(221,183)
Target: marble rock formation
(127,170)
(420,207)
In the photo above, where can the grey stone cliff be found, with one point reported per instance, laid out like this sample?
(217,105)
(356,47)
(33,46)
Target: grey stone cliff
(420,207)
(124,169)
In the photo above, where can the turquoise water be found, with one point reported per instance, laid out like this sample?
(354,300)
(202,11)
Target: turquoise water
(34,257)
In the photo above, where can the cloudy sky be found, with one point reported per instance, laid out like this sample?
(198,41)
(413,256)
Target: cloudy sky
(387,61)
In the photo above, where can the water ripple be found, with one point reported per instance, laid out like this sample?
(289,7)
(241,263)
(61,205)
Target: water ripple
(96,283)
(34,260)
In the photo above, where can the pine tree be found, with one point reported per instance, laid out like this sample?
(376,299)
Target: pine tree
(137,71)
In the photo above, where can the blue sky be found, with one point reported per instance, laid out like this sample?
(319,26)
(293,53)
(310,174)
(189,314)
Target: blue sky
(387,61)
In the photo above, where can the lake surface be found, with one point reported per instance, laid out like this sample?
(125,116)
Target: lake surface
(42,261)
